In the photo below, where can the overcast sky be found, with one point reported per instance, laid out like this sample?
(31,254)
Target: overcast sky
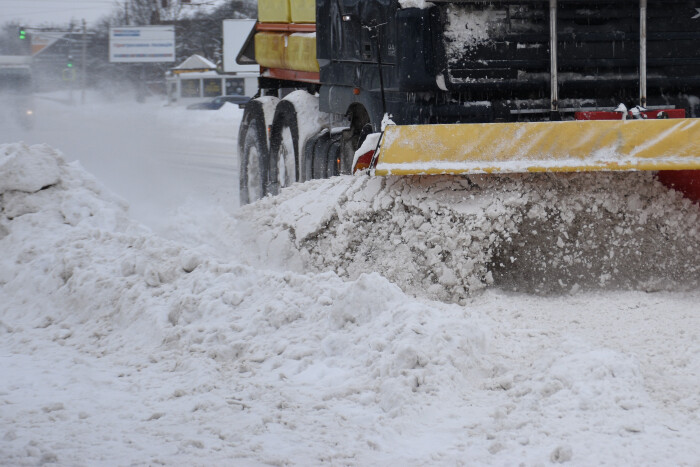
(36,12)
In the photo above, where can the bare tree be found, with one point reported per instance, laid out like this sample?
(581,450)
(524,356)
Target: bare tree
(146,12)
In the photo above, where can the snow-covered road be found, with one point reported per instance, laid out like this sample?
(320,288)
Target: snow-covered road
(155,157)
(353,321)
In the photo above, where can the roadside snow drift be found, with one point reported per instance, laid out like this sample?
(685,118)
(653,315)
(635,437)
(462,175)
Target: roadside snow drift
(118,347)
(75,266)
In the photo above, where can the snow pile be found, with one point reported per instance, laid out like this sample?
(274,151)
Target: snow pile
(600,230)
(447,237)
(24,171)
(125,348)
(76,268)
(33,178)
(426,234)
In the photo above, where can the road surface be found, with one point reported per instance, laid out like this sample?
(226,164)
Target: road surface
(155,157)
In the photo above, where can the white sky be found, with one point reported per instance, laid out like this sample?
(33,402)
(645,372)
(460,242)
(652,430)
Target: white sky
(37,12)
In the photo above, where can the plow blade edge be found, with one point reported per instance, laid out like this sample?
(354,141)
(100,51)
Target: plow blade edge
(570,146)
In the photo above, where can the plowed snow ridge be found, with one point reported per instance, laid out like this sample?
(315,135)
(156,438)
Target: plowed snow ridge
(447,237)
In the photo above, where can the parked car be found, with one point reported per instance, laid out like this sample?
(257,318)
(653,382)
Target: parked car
(218,102)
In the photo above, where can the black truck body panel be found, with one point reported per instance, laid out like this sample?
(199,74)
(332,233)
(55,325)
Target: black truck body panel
(490,61)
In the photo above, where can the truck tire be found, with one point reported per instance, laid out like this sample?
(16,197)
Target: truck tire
(253,153)
(284,148)
(319,165)
(310,149)
(334,156)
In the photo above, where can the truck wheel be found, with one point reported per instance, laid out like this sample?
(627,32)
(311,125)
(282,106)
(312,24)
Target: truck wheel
(333,166)
(252,143)
(320,156)
(310,153)
(284,148)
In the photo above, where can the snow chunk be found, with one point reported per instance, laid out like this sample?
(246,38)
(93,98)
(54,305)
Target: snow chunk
(28,169)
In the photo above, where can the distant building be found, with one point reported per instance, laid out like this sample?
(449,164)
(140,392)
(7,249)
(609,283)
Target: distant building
(197,78)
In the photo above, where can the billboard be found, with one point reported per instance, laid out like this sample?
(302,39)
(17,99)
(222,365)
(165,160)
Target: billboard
(235,34)
(142,44)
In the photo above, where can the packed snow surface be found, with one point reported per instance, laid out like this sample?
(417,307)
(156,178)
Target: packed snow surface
(524,320)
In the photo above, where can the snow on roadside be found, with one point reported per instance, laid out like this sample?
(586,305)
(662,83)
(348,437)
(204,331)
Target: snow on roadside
(82,274)
(126,348)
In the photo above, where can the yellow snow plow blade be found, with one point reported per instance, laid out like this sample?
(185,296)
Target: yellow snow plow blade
(571,146)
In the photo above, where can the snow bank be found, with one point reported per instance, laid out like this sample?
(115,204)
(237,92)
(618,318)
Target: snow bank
(120,347)
(37,180)
(447,237)
(79,270)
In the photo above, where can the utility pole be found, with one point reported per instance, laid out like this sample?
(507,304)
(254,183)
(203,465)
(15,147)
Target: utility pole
(71,70)
(83,66)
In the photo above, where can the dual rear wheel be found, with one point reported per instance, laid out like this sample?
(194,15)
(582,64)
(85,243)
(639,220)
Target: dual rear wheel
(267,169)
(253,150)
(284,148)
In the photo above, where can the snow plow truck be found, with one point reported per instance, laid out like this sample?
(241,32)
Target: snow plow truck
(471,86)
